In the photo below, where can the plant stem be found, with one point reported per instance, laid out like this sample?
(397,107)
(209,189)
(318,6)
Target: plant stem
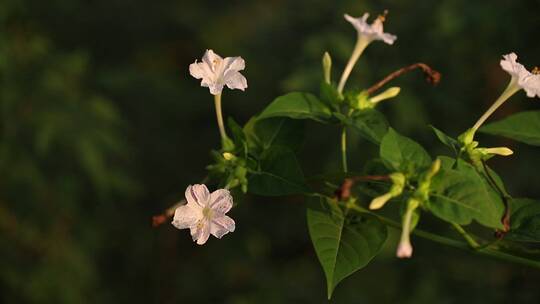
(359,48)
(344,148)
(510,90)
(219,116)
(454,243)
(467,237)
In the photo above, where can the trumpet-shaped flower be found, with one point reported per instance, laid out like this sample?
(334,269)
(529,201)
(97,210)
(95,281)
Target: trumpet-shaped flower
(366,34)
(371,32)
(405,249)
(204,213)
(524,79)
(217,72)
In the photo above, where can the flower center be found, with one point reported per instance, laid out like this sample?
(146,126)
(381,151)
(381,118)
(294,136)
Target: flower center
(215,64)
(536,71)
(207,212)
(382,18)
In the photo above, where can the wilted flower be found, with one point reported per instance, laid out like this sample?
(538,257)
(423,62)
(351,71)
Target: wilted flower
(521,76)
(371,32)
(216,72)
(204,213)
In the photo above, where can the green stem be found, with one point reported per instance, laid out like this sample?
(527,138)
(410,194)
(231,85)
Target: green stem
(454,243)
(467,237)
(359,48)
(219,116)
(344,148)
(510,90)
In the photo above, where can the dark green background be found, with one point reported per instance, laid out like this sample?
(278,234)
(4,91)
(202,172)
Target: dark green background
(102,127)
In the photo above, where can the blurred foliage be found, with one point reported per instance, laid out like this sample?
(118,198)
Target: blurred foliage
(102,127)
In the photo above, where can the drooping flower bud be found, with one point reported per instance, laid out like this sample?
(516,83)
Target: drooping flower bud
(405,249)
(398,180)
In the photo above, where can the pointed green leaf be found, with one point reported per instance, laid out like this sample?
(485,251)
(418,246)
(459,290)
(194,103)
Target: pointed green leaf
(371,124)
(523,127)
(278,131)
(403,154)
(298,105)
(279,174)
(525,220)
(344,243)
(330,95)
(462,195)
(446,140)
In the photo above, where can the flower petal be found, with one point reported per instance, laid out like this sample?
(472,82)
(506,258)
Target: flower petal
(388,38)
(221,226)
(186,216)
(212,59)
(234,64)
(236,81)
(374,31)
(215,88)
(201,232)
(197,194)
(221,201)
(531,85)
(515,69)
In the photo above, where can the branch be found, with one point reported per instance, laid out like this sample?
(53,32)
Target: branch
(344,191)
(432,76)
(453,243)
(158,220)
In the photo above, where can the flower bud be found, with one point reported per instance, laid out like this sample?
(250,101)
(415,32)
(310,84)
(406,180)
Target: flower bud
(389,93)
(503,151)
(467,137)
(228,156)
(405,248)
(380,201)
(398,180)
(327,67)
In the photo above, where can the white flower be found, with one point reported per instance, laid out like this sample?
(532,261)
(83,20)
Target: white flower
(371,32)
(216,72)
(521,76)
(204,213)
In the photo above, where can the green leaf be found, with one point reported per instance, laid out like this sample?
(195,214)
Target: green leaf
(523,127)
(403,154)
(344,243)
(238,135)
(298,105)
(279,173)
(446,140)
(462,195)
(524,220)
(330,95)
(371,124)
(278,131)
